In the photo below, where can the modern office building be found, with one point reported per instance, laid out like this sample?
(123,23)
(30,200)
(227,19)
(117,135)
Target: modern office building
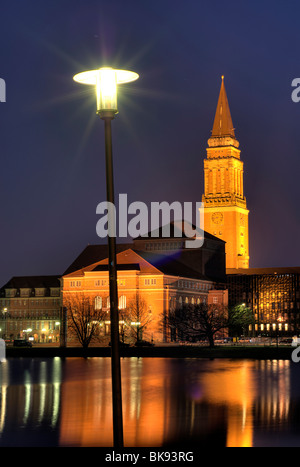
(274,296)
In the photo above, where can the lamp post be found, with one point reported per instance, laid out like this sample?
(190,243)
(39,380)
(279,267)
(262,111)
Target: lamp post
(106,81)
(4,316)
(279,320)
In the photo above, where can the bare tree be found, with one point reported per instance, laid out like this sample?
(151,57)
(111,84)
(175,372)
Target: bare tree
(137,317)
(195,322)
(84,318)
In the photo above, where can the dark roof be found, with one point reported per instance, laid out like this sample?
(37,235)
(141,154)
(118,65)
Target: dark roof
(120,267)
(170,266)
(92,254)
(176,232)
(262,271)
(31,282)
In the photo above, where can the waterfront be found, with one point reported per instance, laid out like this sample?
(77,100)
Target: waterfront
(166,401)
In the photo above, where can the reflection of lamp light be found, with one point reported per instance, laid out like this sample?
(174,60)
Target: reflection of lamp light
(106,81)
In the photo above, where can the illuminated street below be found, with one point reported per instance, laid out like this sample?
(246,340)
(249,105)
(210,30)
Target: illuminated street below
(221,402)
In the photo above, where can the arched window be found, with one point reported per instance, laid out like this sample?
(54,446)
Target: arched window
(108,302)
(122,302)
(98,303)
(193,301)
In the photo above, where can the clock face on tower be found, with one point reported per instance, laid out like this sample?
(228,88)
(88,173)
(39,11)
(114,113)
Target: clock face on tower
(217,217)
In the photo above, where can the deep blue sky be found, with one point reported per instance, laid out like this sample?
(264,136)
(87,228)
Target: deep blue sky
(52,144)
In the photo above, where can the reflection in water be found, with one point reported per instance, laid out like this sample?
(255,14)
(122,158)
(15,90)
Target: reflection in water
(30,395)
(67,402)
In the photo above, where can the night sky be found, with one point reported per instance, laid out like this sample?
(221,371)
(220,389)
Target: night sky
(52,143)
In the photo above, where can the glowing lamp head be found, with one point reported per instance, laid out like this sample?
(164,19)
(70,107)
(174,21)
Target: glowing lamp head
(105,81)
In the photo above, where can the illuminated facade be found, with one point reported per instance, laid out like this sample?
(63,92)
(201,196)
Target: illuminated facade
(225,210)
(274,296)
(160,281)
(30,308)
(163,272)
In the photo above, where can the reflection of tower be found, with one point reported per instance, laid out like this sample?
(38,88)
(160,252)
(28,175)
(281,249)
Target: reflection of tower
(225,210)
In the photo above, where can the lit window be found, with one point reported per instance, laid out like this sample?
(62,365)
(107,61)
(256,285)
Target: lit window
(98,303)
(215,299)
(122,302)
(75,284)
(150,281)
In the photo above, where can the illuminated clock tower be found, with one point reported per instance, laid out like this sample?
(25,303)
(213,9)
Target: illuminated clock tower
(225,210)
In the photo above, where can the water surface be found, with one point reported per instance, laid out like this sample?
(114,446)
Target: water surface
(187,402)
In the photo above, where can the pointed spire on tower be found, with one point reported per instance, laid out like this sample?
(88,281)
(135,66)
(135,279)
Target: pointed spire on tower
(223,123)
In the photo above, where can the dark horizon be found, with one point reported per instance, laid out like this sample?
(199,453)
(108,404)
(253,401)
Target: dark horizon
(52,151)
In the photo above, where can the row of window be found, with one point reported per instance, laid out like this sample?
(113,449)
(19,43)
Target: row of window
(31,326)
(20,313)
(279,305)
(150,281)
(194,285)
(10,293)
(36,302)
(191,301)
(269,327)
(105,283)
(75,283)
(267,295)
(99,302)
(164,245)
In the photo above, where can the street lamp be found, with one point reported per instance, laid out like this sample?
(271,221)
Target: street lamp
(106,81)
(4,316)
(279,321)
